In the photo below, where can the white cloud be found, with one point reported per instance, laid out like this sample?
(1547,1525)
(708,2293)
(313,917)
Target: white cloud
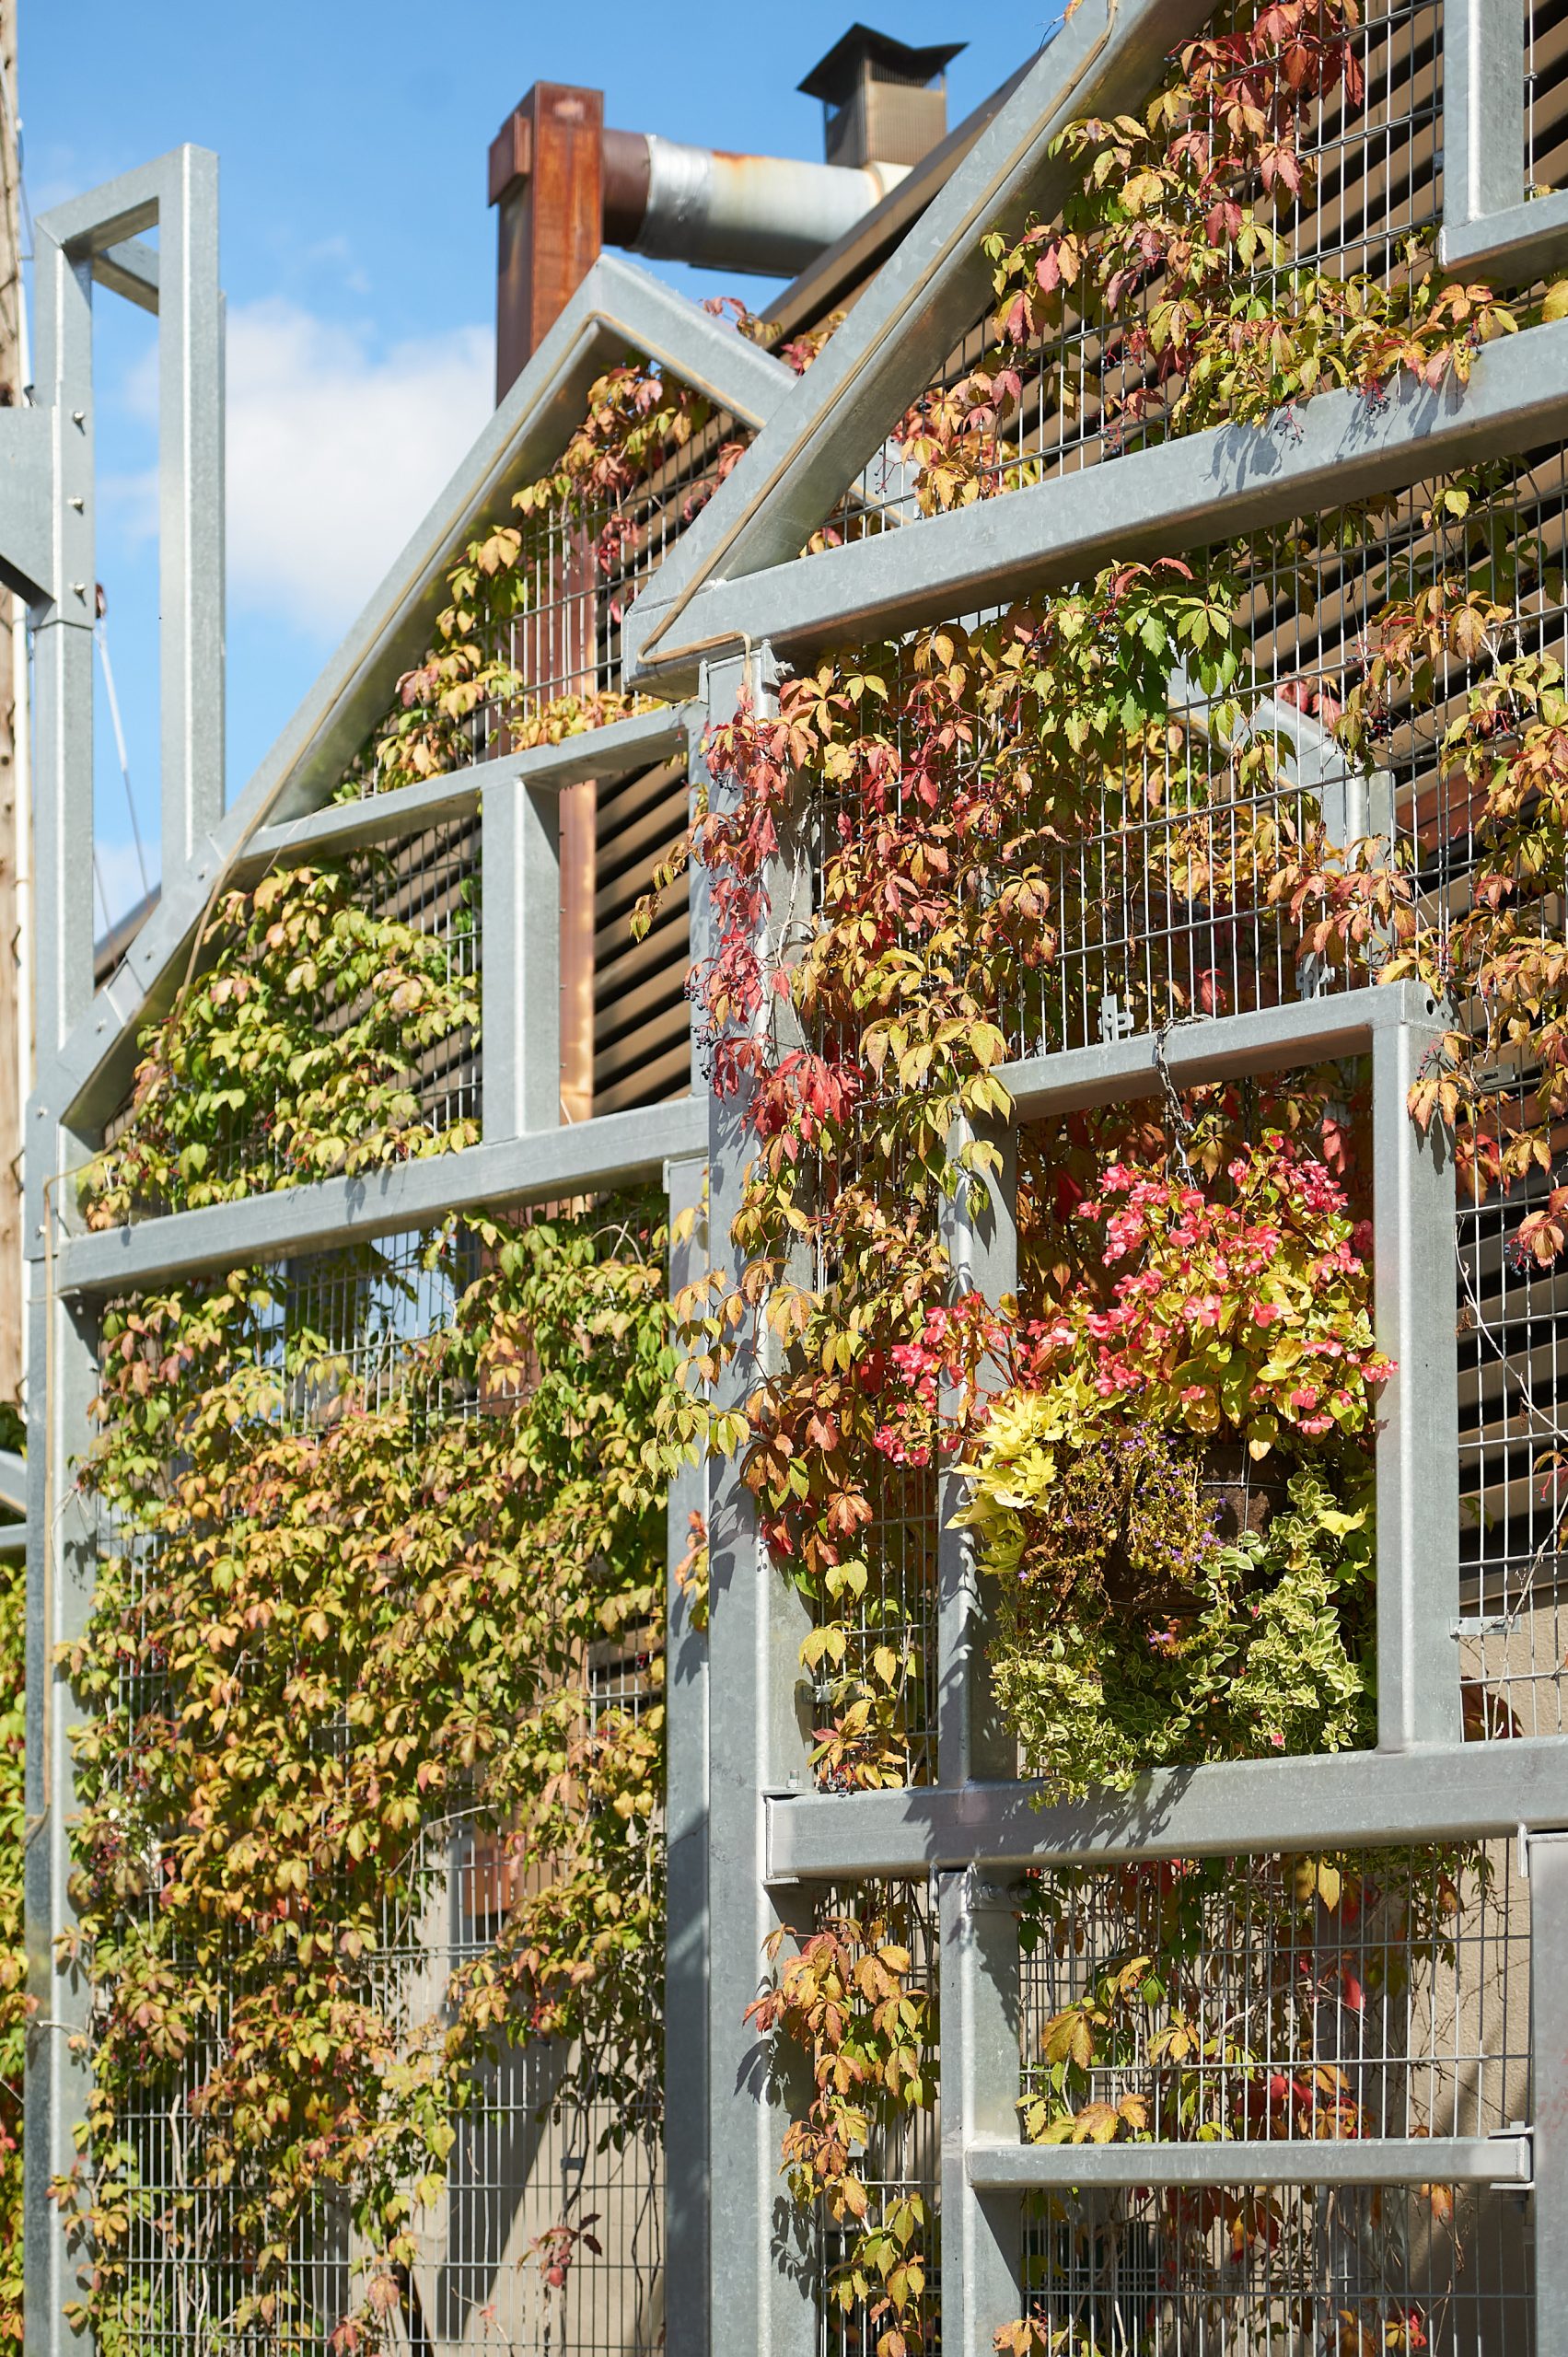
(334,453)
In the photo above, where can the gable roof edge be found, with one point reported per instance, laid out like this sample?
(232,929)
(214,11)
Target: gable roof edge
(618,306)
(1105,59)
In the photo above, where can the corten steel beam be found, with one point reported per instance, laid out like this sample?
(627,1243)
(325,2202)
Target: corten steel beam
(757,1745)
(1348,1800)
(1182,494)
(618,306)
(612,1150)
(927,295)
(1361,2160)
(546,182)
(686,1840)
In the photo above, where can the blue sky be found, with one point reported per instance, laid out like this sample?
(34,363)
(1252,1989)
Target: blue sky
(358,258)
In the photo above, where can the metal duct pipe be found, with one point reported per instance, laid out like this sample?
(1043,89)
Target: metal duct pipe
(767,214)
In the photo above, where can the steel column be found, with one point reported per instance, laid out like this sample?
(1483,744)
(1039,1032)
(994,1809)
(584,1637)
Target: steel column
(1418,1442)
(1484,109)
(981,2267)
(61,1563)
(972,1740)
(756,1746)
(63,660)
(190,503)
(1549,2074)
(520,973)
(686,1833)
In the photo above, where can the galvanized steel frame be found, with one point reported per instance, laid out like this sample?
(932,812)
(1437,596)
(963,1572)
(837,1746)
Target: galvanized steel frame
(526,1153)
(747,1837)
(738,594)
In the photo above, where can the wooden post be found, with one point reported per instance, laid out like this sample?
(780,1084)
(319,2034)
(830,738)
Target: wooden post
(546,180)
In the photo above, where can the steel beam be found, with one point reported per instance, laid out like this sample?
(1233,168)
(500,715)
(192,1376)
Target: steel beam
(1492,225)
(1221,1047)
(340,827)
(1346,1800)
(1186,494)
(972,1740)
(27,440)
(63,661)
(130,269)
(981,2259)
(999,2163)
(613,1150)
(89,1073)
(191,502)
(521,900)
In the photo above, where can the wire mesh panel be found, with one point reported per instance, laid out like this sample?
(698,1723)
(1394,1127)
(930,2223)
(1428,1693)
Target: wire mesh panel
(901,2166)
(1545,95)
(1289,2272)
(1381,1994)
(546,2233)
(329,1023)
(1369,152)
(1512,1340)
(549,2233)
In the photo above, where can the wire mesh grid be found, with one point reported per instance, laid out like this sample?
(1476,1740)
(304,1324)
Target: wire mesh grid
(1546,94)
(548,2236)
(900,2165)
(1370,1993)
(1164,862)
(430,883)
(1293,2271)
(433,884)
(889,1658)
(575,575)
(1372,168)
(1512,1357)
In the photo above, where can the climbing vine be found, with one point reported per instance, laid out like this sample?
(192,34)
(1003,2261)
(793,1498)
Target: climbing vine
(293,1052)
(15,2004)
(1165,1429)
(526,591)
(1229,1998)
(346,1611)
